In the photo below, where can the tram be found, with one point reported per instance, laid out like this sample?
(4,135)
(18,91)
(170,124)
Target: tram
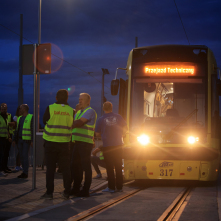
(171,104)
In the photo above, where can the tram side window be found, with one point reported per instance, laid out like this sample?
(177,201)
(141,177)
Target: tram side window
(138,104)
(215,109)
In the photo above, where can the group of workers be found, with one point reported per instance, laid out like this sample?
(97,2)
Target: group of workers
(68,141)
(15,130)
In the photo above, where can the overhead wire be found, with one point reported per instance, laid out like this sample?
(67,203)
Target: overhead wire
(181,21)
(88,73)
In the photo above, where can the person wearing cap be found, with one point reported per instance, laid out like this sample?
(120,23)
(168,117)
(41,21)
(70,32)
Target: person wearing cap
(58,120)
(83,137)
(23,135)
(112,127)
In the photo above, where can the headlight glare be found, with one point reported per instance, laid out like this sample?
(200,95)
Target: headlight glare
(192,139)
(143,139)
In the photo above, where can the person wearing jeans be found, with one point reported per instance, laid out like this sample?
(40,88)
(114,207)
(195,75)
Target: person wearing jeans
(112,127)
(23,148)
(24,137)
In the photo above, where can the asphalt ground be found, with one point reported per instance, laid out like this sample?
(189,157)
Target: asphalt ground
(18,198)
(18,201)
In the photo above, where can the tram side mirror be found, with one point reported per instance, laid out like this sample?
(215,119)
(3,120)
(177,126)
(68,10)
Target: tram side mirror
(114,86)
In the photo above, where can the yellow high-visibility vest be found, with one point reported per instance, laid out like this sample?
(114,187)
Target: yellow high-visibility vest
(3,128)
(26,129)
(59,126)
(86,132)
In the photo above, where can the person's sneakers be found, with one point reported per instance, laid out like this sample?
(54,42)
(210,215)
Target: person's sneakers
(108,190)
(17,168)
(3,174)
(23,175)
(99,175)
(83,193)
(65,195)
(47,196)
(118,190)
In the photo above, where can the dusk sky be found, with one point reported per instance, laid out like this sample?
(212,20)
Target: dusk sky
(95,34)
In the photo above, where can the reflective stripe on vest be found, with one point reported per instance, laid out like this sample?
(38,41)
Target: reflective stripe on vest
(26,129)
(11,130)
(101,156)
(59,126)
(86,132)
(3,128)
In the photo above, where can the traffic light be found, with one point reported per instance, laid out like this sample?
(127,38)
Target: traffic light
(44,58)
(43,63)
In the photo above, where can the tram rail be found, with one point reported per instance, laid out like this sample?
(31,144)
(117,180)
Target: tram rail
(168,214)
(85,214)
(171,211)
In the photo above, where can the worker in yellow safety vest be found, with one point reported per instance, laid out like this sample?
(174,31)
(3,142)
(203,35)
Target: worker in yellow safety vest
(11,123)
(23,136)
(5,138)
(83,137)
(58,120)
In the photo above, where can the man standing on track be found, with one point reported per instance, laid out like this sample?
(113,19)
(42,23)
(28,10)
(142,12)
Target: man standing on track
(111,127)
(83,135)
(58,120)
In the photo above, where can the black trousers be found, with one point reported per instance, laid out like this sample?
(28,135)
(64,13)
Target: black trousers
(96,161)
(57,153)
(2,152)
(113,159)
(6,154)
(81,162)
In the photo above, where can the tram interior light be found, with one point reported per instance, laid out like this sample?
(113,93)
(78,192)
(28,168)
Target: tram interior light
(143,139)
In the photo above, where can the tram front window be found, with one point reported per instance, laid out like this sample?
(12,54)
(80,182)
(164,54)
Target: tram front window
(169,110)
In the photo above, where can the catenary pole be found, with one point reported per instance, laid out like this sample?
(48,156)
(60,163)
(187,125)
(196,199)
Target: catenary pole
(20,88)
(34,121)
(36,99)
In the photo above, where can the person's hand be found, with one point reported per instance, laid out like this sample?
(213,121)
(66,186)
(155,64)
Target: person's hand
(13,143)
(11,124)
(31,144)
(10,139)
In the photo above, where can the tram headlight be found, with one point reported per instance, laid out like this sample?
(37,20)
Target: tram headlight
(143,139)
(192,139)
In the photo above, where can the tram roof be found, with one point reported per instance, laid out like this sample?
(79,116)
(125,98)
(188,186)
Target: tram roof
(173,46)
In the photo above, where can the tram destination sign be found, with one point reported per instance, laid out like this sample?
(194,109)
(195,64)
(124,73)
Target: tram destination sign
(170,69)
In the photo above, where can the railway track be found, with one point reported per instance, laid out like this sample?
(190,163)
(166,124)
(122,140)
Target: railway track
(99,208)
(168,214)
(172,210)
